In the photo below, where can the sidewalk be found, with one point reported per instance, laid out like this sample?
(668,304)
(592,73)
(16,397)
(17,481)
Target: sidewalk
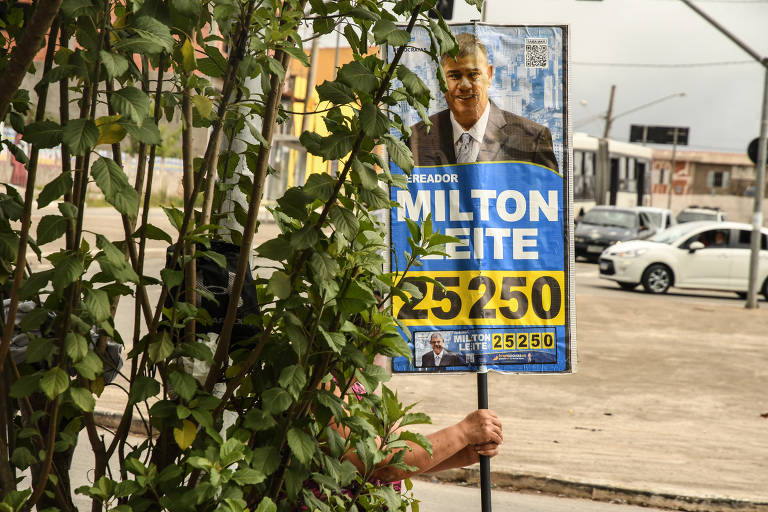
(664,410)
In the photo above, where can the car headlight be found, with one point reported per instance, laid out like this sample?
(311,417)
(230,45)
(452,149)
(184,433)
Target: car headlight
(628,253)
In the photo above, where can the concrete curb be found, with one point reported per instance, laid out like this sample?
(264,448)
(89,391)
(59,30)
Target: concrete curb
(111,421)
(569,489)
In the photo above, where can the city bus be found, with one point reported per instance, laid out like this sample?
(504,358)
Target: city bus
(627,173)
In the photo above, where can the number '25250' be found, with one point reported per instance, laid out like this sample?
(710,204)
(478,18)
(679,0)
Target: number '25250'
(484,298)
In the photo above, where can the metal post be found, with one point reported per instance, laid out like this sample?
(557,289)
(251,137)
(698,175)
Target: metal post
(672,174)
(485,461)
(609,114)
(757,215)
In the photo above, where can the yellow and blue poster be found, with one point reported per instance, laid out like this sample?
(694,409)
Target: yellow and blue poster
(490,170)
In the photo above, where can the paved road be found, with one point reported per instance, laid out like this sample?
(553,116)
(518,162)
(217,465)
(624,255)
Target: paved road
(588,282)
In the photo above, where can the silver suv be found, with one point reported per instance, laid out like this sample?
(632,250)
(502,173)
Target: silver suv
(694,213)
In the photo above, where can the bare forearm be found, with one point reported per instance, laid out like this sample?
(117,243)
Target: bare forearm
(446,443)
(463,458)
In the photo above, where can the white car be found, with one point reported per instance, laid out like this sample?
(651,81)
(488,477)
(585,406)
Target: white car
(706,255)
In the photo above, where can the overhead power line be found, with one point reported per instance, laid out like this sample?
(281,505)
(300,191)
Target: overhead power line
(658,65)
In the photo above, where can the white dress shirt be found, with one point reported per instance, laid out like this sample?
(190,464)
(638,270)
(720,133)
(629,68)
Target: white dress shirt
(477,132)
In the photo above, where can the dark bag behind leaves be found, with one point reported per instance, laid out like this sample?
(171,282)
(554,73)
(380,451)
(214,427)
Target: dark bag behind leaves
(218,282)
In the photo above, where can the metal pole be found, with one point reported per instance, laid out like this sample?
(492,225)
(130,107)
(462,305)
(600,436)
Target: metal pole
(672,174)
(485,461)
(726,33)
(609,114)
(757,215)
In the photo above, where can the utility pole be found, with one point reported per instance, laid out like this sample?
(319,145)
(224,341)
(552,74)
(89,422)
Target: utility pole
(757,212)
(609,114)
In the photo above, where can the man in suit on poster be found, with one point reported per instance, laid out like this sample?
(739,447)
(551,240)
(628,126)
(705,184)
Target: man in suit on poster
(473,128)
(438,356)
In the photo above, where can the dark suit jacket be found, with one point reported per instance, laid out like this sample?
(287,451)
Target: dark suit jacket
(448,359)
(507,137)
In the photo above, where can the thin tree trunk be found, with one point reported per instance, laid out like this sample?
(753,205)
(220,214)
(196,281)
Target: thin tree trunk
(26,49)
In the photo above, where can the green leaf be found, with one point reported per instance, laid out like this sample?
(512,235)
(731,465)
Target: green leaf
(304,238)
(43,134)
(324,267)
(373,122)
(22,458)
(115,64)
(198,351)
(83,399)
(153,232)
(345,221)
(54,382)
(279,285)
(184,384)
(97,304)
(131,103)
(248,476)
(186,435)
(147,132)
(17,152)
(366,174)
(335,92)
(276,400)
(413,84)
(418,439)
(204,105)
(382,29)
(143,388)
(54,189)
(154,35)
(357,76)
(25,386)
(277,249)
(91,366)
(161,349)
(335,340)
(356,298)
(75,346)
(399,152)
(301,444)
(332,147)
(67,270)
(80,135)
(50,228)
(319,186)
(293,379)
(172,278)
(257,420)
(266,505)
(113,182)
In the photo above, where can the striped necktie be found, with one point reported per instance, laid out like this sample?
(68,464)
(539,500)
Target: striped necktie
(464,148)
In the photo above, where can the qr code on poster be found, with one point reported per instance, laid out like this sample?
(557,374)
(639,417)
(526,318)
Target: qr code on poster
(536,53)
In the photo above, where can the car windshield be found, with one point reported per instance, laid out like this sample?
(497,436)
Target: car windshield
(668,236)
(654,217)
(688,216)
(621,219)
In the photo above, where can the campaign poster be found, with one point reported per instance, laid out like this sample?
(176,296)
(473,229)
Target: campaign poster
(492,170)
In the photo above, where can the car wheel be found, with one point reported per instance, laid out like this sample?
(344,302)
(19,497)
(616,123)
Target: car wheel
(657,278)
(765,289)
(742,295)
(627,286)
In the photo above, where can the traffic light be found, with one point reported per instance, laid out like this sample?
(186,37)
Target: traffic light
(444,7)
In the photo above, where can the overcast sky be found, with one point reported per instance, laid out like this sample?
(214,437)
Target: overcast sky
(615,41)
(722,103)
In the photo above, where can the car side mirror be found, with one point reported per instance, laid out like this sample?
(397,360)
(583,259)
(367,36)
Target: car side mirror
(695,246)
